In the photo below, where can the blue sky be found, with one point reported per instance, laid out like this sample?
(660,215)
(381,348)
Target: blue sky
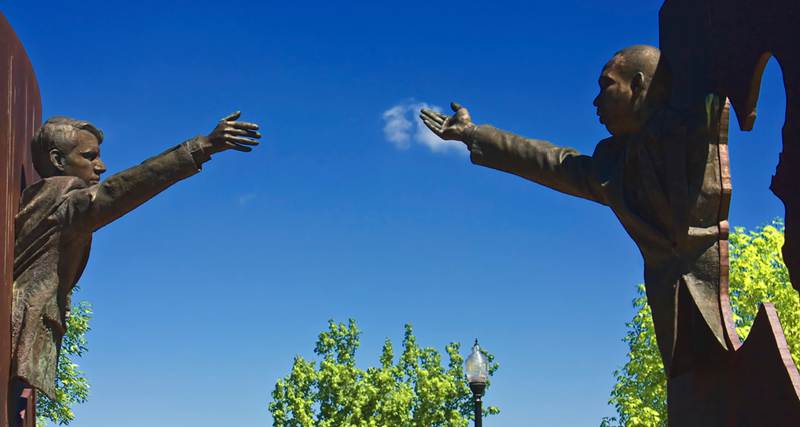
(203,296)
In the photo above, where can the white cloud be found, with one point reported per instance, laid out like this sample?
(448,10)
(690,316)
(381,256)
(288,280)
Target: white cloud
(403,126)
(245,199)
(397,128)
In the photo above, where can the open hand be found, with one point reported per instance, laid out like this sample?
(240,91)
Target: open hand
(455,127)
(232,135)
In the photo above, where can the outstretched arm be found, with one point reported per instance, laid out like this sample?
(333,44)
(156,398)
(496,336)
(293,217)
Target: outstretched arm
(125,191)
(562,169)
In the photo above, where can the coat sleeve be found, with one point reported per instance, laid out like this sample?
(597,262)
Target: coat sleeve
(562,169)
(95,206)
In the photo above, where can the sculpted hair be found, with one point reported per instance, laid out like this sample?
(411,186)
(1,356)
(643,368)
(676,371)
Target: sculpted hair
(647,60)
(57,133)
(640,57)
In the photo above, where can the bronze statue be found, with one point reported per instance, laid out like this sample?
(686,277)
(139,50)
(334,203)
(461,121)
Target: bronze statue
(59,213)
(665,174)
(664,193)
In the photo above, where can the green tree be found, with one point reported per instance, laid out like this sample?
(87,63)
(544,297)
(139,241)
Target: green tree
(757,273)
(415,390)
(71,384)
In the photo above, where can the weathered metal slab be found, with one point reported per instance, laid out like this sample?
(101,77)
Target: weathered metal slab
(20,116)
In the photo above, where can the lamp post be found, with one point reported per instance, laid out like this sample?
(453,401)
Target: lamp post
(477,369)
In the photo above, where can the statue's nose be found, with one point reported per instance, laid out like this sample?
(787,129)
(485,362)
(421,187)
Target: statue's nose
(99,167)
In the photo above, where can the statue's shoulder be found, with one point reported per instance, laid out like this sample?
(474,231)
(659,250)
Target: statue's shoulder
(607,150)
(607,157)
(50,191)
(64,182)
(56,184)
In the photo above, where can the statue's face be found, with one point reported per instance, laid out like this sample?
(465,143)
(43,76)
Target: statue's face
(82,160)
(617,103)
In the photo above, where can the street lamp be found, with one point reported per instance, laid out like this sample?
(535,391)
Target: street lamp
(477,368)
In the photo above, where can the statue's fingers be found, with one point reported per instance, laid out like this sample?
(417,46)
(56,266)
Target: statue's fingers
(243,125)
(436,128)
(430,119)
(442,117)
(240,140)
(433,116)
(238,147)
(434,113)
(243,132)
(232,116)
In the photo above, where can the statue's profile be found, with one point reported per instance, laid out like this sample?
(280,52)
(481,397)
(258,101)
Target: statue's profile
(665,193)
(59,213)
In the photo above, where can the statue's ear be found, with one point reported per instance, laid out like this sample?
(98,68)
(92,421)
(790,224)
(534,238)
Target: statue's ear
(57,159)
(637,84)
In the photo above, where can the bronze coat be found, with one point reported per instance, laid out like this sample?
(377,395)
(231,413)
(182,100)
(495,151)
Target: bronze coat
(650,182)
(53,237)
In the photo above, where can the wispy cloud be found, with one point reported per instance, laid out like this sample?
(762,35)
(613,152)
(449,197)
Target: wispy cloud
(245,199)
(397,127)
(402,127)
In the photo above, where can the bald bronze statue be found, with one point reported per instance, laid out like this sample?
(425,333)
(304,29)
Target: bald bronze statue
(59,213)
(665,193)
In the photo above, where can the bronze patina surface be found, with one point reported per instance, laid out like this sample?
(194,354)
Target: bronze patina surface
(666,193)
(59,214)
(664,173)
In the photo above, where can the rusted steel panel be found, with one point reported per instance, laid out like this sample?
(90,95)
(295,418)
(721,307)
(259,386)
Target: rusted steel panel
(20,115)
(27,416)
(721,47)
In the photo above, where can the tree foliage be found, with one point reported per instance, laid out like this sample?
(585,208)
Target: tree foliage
(72,386)
(640,393)
(757,274)
(413,390)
